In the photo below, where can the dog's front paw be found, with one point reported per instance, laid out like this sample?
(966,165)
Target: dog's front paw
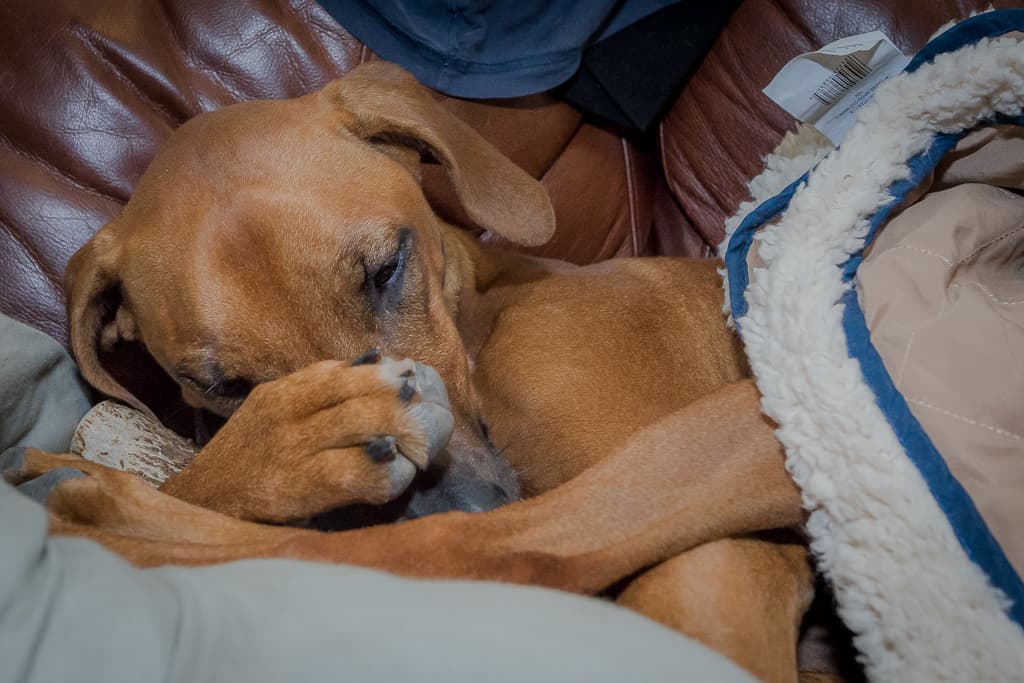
(329,435)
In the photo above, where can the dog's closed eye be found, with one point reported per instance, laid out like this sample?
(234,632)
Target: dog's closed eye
(386,273)
(237,387)
(383,284)
(228,388)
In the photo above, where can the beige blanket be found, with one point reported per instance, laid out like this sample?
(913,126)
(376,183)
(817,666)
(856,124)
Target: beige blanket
(942,290)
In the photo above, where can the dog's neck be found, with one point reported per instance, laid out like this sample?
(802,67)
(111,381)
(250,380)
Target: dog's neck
(481,280)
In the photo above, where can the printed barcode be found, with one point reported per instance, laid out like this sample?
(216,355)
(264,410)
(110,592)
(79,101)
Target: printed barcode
(849,73)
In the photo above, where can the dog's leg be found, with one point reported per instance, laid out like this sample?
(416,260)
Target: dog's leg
(743,597)
(711,471)
(88,499)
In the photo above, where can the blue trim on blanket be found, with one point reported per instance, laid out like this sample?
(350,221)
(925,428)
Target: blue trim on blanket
(919,166)
(970,528)
(968,32)
(736,252)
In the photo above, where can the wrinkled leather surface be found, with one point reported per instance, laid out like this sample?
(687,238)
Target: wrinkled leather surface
(89,90)
(721,126)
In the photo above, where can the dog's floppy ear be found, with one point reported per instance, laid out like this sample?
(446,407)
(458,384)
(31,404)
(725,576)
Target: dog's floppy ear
(379,100)
(92,288)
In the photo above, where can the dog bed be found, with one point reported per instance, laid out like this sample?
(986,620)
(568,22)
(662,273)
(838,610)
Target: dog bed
(880,298)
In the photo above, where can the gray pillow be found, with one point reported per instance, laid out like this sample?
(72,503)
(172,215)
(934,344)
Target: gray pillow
(42,396)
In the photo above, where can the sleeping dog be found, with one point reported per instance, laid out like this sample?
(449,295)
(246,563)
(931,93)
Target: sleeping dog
(270,244)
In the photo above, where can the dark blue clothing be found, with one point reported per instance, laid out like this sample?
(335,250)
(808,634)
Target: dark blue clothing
(487,48)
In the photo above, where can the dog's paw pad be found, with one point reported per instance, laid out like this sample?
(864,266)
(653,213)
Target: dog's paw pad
(430,385)
(436,422)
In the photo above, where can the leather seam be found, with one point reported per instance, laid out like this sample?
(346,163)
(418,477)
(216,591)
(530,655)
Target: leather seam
(118,73)
(33,254)
(64,175)
(707,250)
(631,200)
(325,30)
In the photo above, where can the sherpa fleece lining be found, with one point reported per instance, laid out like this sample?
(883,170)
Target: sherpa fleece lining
(919,608)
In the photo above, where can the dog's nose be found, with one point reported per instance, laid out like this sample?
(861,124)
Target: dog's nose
(462,494)
(479,496)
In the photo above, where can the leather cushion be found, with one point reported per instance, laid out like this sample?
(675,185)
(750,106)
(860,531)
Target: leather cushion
(721,126)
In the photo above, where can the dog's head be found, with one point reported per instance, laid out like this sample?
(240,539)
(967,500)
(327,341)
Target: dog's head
(269,235)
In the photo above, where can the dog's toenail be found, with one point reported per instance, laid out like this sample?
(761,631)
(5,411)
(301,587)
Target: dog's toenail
(382,449)
(408,389)
(371,357)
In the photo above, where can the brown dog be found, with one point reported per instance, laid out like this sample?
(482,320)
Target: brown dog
(268,238)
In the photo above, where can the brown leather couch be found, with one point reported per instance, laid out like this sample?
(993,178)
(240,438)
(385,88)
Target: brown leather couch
(90,88)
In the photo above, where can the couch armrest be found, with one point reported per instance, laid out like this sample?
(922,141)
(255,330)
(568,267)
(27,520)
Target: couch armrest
(721,126)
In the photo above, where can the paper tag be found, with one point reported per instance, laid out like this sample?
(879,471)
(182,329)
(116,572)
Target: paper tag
(827,87)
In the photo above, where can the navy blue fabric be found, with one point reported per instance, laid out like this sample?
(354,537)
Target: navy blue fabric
(973,534)
(482,48)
